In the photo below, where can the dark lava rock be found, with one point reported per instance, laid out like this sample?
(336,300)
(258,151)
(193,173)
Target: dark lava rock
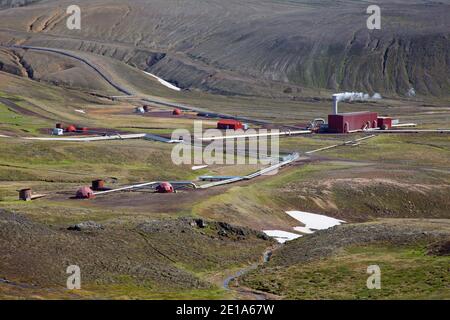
(228,228)
(86,226)
(440,248)
(201,223)
(189,225)
(222,233)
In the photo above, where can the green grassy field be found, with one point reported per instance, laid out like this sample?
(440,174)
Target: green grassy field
(406,273)
(429,151)
(12,121)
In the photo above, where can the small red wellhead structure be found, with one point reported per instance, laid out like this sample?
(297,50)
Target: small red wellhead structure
(229,124)
(71,128)
(85,193)
(177,112)
(25,194)
(165,187)
(98,185)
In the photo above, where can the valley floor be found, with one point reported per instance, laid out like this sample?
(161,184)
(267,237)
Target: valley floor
(391,191)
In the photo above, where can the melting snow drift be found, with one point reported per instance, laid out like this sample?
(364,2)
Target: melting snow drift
(311,221)
(281,236)
(163,82)
(199,167)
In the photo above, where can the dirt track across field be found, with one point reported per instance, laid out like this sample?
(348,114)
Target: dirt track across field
(21,110)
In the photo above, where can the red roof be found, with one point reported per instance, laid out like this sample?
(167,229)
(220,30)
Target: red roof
(229,122)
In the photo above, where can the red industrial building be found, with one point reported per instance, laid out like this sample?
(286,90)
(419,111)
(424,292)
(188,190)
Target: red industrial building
(353,121)
(229,124)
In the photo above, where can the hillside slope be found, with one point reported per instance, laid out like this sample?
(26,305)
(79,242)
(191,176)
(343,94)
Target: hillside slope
(413,257)
(230,47)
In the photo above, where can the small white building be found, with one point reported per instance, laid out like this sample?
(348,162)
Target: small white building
(57,131)
(139,110)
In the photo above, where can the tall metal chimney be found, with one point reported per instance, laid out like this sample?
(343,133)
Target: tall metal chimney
(335,104)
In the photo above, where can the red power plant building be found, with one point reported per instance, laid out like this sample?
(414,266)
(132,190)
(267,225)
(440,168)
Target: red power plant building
(353,121)
(229,124)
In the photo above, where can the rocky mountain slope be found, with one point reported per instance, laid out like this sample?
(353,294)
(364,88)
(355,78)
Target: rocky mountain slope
(235,47)
(4,4)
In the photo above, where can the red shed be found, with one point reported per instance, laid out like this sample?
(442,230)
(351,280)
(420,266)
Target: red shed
(353,121)
(98,185)
(384,123)
(165,187)
(177,112)
(229,124)
(85,193)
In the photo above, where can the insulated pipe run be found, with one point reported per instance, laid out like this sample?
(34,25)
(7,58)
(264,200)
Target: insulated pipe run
(136,186)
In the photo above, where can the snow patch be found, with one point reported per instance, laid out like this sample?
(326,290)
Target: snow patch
(199,167)
(163,82)
(79,111)
(411,92)
(311,221)
(314,221)
(281,236)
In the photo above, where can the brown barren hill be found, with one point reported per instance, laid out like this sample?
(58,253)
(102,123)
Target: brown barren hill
(271,46)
